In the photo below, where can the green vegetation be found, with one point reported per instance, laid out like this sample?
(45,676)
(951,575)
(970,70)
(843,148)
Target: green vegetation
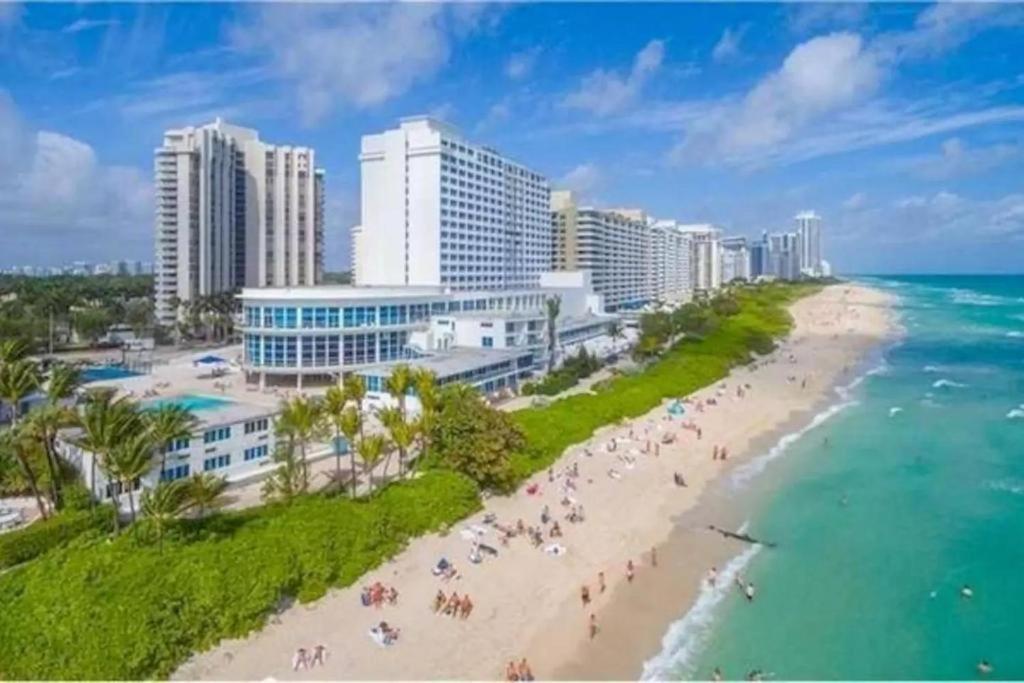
(575,368)
(43,312)
(26,544)
(128,609)
(694,362)
(138,604)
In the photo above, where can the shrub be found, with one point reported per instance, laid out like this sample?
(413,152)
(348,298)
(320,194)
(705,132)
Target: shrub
(37,538)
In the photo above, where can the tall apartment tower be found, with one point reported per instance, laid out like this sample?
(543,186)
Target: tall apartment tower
(233,212)
(438,210)
(670,261)
(735,259)
(808,231)
(706,259)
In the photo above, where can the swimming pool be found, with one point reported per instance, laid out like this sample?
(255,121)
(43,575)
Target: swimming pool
(192,402)
(100,373)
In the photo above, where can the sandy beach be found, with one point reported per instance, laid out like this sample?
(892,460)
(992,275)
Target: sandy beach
(527,601)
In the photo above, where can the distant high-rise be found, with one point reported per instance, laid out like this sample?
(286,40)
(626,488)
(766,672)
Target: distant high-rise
(233,211)
(808,231)
(735,259)
(439,210)
(783,255)
(706,259)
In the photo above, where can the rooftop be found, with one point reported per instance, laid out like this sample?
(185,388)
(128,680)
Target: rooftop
(451,362)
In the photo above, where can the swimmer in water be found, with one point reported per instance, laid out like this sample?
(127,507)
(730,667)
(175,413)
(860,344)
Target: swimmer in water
(966,592)
(984,667)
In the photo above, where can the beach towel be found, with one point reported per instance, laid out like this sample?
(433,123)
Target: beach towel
(377,636)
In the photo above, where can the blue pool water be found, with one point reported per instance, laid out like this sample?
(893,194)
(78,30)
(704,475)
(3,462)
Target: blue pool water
(106,372)
(192,402)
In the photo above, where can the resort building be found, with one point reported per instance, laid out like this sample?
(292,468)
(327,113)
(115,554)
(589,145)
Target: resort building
(670,263)
(783,256)
(490,339)
(706,259)
(233,440)
(231,212)
(440,211)
(808,235)
(735,259)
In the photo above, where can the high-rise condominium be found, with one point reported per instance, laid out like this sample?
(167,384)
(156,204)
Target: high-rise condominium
(808,231)
(735,259)
(233,211)
(706,259)
(438,210)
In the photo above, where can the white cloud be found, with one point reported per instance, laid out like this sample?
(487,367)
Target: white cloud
(856,201)
(356,55)
(818,77)
(521,64)
(584,180)
(956,158)
(947,25)
(728,46)
(604,92)
(56,190)
(83,24)
(809,16)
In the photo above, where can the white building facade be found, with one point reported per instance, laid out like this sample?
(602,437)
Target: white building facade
(735,259)
(440,211)
(232,211)
(706,258)
(808,232)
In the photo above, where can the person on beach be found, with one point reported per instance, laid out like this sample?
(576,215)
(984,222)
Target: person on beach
(724,453)
(300,660)
(556,531)
(678,478)
(654,557)
(511,673)
(319,656)
(714,452)
(439,601)
(393,596)
(545,516)
(466,608)
(593,625)
(749,592)
(524,671)
(712,576)
(629,571)
(600,582)
(585,595)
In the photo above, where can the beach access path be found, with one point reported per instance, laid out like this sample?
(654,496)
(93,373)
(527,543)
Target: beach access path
(527,601)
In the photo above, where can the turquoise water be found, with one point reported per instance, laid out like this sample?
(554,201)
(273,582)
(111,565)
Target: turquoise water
(879,527)
(105,372)
(192,402)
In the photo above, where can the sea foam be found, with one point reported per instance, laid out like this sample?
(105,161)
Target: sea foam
(1016,413)
(685,637)
(938,384)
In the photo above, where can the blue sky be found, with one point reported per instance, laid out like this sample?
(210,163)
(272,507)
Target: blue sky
(902,124)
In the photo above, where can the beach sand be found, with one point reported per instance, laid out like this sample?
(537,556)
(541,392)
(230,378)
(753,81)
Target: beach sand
(527,602)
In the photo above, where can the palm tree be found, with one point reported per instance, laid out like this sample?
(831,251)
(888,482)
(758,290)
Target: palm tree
(18,379)
(350,424)
(288,479)
(47,420)
(371,448)
(16,444)
(129,461)
(169,423)
(553,305)
(400,432)
(301,421)
(12,350)
(204,491)
(615,332)
(398,385)
(105,423)
(426,390)
(355,390)
(164,503)
(334,409)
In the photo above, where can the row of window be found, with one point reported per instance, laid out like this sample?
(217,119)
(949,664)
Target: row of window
(260,425)
(325,350)
(256,452)
(218,434)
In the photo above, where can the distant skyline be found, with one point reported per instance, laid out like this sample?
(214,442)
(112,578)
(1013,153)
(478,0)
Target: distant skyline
(901,124)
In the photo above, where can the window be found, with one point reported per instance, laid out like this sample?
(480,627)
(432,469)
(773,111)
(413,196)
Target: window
(177,445)
(216,462)
(256,452)
(360,348)
(487,342)
(172,473)
(259,425)
(218,434)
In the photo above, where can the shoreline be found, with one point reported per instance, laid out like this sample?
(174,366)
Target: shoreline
(528,602)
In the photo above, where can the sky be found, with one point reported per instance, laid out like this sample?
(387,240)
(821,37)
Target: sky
(901,124)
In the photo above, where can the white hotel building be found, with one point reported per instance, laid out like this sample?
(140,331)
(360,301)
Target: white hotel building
(808,236)
(231,212)
(440,211)
(706,263)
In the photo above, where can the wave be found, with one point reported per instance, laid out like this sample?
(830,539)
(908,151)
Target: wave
(932,368)
(894,411)
(969,297)
(1015,334)
(1008,485)
(744,473)
(938,384)
(687,636)
(1016,413)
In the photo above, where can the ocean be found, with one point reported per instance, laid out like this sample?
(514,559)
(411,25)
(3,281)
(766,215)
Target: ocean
(907,488)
